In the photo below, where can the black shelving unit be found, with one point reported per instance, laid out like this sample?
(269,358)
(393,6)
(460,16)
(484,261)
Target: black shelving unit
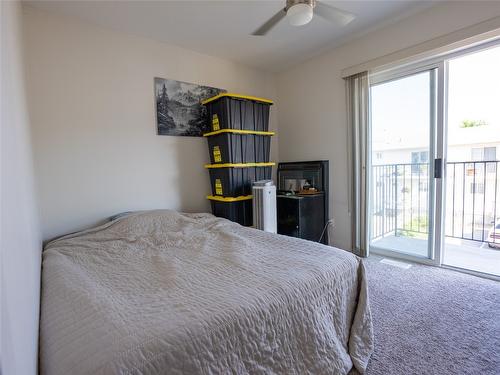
(303,216)
(239,145)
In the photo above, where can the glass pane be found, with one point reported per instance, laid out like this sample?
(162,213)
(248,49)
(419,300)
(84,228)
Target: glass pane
(401,116)
(472,217)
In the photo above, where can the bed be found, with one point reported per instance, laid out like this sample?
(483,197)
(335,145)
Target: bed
(161,292)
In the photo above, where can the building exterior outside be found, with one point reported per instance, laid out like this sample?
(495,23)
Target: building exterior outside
(400,185)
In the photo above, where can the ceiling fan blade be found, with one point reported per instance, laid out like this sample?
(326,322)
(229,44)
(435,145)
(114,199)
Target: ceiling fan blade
(273,21)
(333,14)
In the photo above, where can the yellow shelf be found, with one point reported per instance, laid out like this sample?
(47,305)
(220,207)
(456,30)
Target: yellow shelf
(238,131)
(237,96)
(229,199)
(239,165)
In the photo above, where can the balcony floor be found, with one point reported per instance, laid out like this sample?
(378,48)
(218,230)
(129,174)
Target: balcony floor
(470,255)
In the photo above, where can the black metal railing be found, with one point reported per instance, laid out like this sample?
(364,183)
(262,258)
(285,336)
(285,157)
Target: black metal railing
(400,199)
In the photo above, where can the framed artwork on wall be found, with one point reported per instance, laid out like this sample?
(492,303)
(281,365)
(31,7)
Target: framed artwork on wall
(178,108)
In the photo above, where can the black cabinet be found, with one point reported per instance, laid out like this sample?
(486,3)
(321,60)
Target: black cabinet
(301,216)
(301,212)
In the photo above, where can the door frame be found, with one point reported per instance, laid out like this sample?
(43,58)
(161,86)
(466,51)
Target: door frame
(436,150)
(440,147)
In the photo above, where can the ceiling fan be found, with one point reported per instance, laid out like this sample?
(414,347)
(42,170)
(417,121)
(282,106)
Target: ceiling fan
(300,12)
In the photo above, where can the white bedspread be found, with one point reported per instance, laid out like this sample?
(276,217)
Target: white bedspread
(161,292)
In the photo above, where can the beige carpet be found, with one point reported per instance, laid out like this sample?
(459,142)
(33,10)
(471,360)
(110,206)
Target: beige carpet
(429,320)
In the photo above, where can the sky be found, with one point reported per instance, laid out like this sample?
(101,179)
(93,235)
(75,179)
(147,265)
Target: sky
(474,89)
(401,113)
(400,108)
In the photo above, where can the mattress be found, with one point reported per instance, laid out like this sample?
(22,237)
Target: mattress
(161,292)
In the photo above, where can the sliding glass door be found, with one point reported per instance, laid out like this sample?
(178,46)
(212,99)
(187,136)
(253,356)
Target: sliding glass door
(401,166)
(433,168)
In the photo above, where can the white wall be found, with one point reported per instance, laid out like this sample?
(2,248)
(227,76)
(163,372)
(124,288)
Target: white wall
(20,244)
(312,113)
(92,103)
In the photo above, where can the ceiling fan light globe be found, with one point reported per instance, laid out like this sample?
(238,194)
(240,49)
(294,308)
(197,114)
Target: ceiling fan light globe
(299,14)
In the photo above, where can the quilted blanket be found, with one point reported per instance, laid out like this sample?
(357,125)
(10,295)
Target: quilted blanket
(161,292)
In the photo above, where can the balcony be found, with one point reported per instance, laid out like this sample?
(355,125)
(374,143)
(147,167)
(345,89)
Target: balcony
(400,212)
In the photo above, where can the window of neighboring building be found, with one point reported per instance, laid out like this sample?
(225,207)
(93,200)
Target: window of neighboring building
(484,153)
(490,153)
(424,156)
(419,157)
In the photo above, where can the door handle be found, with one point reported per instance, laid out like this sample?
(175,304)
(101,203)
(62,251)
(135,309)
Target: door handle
(438,168)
